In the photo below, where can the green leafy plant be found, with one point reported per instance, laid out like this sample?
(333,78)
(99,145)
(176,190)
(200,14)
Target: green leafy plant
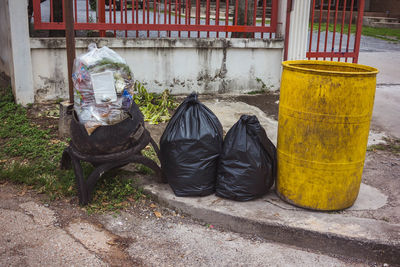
(106,64)
(155,107)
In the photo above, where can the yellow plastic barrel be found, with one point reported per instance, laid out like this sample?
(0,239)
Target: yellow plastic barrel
(325,110)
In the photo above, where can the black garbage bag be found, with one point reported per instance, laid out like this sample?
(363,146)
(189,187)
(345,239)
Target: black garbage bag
(247,166)
(190,148)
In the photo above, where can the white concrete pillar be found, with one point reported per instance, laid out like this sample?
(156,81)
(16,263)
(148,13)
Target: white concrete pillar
(280,29)
(298,31)
(20,58)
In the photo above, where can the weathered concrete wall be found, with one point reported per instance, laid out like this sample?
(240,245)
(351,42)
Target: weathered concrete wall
(182,65)
(15,57)
(5,38)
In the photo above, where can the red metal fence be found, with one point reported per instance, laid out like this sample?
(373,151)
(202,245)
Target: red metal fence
(165,18)
(335,31)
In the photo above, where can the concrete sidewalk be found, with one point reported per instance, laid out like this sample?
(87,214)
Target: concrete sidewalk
(368,230)
(342,233)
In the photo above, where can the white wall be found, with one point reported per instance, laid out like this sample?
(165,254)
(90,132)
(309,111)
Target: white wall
(15,57)
(183,65)
(5,39)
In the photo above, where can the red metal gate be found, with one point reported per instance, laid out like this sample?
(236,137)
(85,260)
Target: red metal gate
(335,31)
(185,18)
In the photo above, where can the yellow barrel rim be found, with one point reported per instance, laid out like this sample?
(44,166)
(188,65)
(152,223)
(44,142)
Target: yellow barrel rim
(316,66)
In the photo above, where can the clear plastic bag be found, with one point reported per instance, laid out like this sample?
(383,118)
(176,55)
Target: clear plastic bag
(103,87)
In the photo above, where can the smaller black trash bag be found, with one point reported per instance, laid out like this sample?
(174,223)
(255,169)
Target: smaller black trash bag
(247,167)
(190,148)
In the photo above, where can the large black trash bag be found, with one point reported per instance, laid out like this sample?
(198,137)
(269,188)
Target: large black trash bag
(190,148)
(247,167)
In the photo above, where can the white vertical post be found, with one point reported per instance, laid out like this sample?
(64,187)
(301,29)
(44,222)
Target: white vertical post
(20,63)
(299,29)
(280,28)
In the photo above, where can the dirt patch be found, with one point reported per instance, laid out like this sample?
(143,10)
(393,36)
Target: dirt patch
(5,80)
(156,130)
(265,102)
(45,115)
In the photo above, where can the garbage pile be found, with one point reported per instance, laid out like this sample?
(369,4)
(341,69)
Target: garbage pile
(196,161)
(103,88)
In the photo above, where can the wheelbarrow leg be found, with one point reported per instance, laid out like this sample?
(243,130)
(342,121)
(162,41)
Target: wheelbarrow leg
(80,182)
(151,164)
(65,160)
(155,146)
(97,173)
(161,174)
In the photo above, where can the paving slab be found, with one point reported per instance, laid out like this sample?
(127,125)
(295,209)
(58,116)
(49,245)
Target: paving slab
(31,237)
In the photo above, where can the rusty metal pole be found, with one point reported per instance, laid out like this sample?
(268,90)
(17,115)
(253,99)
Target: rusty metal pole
(66,107)
(70,41)
(102,13)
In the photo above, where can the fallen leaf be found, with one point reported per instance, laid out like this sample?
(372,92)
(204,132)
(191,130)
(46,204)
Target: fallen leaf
(131,199)
(158,215)
(111,242)
(3,160)
(23,192)
(216,201)
(153,206)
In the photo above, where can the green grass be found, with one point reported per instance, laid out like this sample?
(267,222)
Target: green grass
(115,191)
(381,33)
(392,145)
(30,154)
